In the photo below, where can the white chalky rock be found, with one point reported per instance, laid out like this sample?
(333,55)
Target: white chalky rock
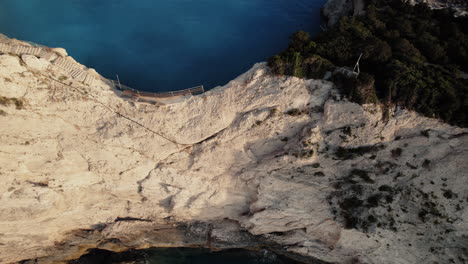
(255,162)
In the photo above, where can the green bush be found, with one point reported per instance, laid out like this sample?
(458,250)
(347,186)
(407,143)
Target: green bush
(360,90)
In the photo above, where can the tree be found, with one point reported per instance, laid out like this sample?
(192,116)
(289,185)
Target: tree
(405,50)
(376,50)
(297,67)
(277,65)
(431,47)
(315,67)
(299,41)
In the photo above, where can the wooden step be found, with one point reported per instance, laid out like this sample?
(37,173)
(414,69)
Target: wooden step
(58,62)
(28,50)
(36,51)
(89,80)
(81,76)
(75,73)
(22,49)
(5,48)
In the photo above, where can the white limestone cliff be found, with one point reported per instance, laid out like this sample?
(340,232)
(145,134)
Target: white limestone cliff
(263,161)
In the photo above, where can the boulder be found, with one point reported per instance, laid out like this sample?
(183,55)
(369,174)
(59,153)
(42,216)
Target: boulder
(35,63)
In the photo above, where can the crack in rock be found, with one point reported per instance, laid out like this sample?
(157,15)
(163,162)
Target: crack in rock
(130,219)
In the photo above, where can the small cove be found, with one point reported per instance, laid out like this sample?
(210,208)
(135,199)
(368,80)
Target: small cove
(163,45)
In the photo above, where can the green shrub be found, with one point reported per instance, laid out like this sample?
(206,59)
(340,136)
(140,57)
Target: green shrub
(360,90)
(351,153)
(315,67)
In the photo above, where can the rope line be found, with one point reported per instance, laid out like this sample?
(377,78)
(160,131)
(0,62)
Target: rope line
(76,72)
(116,112)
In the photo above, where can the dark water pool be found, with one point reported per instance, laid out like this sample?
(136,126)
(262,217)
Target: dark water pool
(183,256)
(161,45)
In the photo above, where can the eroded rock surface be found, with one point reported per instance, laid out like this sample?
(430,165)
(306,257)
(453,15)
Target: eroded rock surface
(263,161)
(333,10)
(459,6)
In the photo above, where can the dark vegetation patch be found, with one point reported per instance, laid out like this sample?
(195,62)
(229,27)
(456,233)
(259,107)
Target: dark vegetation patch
(411,166)
(384,167)
(386,188)
(426,163)
(360,202)
(38,184)
(347,130)
(425,132)
(315,165)
(449,194)
(396,152)
(303,154)
(351,153)
(412,56)
(319,174)
(6,101)
(364,175)
(296,112)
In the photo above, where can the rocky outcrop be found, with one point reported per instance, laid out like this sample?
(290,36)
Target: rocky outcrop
(333,10)
(459,6)
(264,161)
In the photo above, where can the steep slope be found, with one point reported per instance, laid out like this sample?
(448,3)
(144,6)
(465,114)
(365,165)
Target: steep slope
(264,161)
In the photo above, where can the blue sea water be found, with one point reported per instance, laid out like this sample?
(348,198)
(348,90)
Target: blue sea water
(162,45)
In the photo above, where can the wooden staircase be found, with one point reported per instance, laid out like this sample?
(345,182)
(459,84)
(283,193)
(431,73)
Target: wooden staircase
(76,71)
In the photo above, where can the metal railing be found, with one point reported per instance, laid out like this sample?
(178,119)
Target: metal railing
(133,93)
(35,44)
(126,91)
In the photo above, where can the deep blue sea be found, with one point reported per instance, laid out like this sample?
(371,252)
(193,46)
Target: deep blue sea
(162,45)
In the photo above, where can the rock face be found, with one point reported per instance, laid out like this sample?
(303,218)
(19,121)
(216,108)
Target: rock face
(333,10)
(264,161)
(460,6)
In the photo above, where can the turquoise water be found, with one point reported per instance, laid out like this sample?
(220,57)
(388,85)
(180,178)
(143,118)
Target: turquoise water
(161,45)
